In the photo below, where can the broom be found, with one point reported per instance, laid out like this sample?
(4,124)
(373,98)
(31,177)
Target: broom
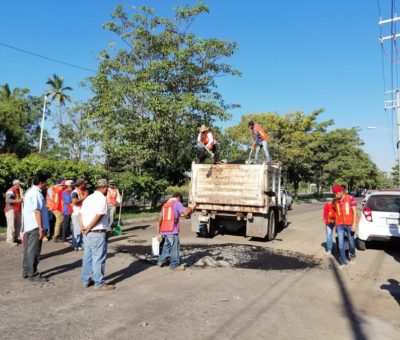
(118,227)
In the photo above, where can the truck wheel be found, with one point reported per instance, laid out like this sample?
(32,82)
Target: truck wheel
(212,229)
(271,226)
(360,244)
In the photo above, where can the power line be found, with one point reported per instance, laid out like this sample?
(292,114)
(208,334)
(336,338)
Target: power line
(47,58)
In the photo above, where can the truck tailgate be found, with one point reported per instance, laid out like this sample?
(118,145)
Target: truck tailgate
(229,184)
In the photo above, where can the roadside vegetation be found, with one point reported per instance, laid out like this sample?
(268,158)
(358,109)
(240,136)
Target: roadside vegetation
(154,87)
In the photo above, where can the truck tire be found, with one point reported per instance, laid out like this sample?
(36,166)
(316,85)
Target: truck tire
(360,244)
(212,230)
(271,225)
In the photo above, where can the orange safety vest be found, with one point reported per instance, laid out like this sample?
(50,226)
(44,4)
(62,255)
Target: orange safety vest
(168,217)
(344,211)
(57,191)
(112,196)
(261,132)
(49,200)
(204,138)
(329,213)
(17,195)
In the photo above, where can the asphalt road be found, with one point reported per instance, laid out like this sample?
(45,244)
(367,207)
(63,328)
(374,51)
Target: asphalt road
(233,288)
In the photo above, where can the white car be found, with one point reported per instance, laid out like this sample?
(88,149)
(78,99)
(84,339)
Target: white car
(380,218)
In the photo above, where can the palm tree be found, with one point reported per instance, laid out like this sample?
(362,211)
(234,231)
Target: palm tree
(57,92)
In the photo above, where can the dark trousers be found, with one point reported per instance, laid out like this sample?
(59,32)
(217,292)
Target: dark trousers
(32,249)
(52,220)
(66,227)
(203,154)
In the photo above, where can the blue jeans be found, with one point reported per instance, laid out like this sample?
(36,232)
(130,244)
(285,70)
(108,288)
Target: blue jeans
(170,249)
(329,236)
(264,145)
(94,258)
(341,230)
(76,232)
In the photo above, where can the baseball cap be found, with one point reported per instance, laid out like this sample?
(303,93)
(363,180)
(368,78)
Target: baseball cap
(69,182)
(80,181)
(62,182)
(337,188)
(17,181)
(101,183)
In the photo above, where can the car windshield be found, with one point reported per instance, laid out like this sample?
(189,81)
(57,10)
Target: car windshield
(389,203)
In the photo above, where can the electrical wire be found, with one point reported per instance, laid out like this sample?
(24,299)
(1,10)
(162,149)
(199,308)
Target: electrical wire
(47,58)
(389,117)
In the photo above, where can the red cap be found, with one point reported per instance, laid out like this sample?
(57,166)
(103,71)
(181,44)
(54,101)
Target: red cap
(337,188)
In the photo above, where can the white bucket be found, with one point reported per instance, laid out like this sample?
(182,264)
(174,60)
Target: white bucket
(155,245)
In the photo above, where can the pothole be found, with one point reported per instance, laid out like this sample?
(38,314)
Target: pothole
(232,255)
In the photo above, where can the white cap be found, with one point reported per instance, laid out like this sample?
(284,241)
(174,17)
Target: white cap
(17,181)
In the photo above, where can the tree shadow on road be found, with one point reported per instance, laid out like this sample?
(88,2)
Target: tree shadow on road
(61,251)
(393,287)
(138,227)
(355,322)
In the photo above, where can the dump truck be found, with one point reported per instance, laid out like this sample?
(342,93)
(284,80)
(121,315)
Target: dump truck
(235,196)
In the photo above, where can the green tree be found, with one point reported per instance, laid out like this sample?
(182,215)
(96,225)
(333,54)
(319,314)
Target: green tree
(294,139)
(153,94)
(57,93)
(19,120)
(77,136)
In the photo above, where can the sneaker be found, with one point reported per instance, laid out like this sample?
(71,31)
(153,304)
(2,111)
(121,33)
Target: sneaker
(80,248)
(328,253)
(105,287)
(162,264)
(352,260)
(342,266)
(45,239)
(181,267)
(76,248)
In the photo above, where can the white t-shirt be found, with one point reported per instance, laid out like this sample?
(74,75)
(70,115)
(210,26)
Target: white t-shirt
(95,204)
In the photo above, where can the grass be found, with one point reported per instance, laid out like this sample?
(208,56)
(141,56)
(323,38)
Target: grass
(142,214)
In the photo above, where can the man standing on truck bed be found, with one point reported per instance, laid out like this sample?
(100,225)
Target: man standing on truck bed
(168,227)
(208,143)
(261,139)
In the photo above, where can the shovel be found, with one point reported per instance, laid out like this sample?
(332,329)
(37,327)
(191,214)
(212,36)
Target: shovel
(249,161)
(118,227)
(211,154)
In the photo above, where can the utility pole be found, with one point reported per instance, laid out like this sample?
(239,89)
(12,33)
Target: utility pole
(394,102)
(42,126)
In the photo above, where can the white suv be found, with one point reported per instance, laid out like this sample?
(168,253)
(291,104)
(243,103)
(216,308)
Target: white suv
(380,218)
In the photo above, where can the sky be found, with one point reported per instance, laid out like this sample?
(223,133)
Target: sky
(293,55)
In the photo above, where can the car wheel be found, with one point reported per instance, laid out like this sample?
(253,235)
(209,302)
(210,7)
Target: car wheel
(360,244)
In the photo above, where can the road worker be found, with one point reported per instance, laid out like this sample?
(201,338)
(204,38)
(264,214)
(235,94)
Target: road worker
(209,145)
(168,227)
(346,219)
(261,139)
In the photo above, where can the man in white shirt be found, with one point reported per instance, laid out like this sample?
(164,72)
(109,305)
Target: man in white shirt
(35,217)
(93,220)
